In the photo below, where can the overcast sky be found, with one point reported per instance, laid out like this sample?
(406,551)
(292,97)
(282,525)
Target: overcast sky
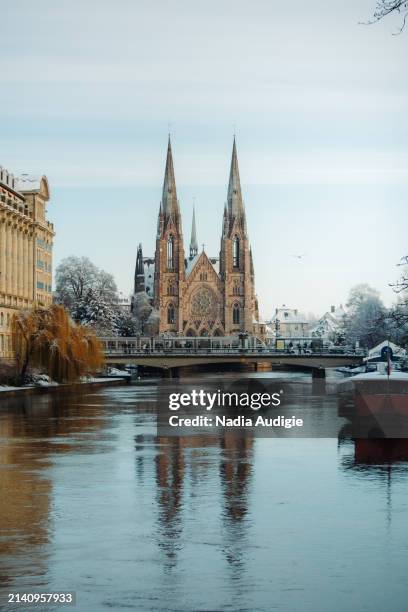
(318,103)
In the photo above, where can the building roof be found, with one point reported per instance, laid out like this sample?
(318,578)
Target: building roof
(290,315)
(191,262)
(330,321)
(375,352)
(26,182)
(33,184)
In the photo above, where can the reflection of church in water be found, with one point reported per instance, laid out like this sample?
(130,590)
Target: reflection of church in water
(200,295)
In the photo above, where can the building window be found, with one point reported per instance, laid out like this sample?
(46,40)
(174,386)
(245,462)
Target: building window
(171,288)
(235,314)
(170,252)
(170,314)
(235,252)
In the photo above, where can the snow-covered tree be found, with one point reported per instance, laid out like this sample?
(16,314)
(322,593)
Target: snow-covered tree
(87,292)
(151,327)
(359,294)
(141,309)
(126,324)
(366,317)
(99,312)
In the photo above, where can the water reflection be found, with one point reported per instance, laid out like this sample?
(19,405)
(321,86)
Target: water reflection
(32,430)
(92,498)
(24,503)
(194,460)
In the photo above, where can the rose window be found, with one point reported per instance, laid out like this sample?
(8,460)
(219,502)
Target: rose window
(202,303)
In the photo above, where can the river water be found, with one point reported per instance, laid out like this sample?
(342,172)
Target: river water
(92,500)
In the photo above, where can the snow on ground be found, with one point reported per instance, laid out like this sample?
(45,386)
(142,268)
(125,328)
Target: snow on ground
(52,383)
(381,376)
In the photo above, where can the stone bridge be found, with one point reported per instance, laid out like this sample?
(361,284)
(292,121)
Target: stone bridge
(169,355)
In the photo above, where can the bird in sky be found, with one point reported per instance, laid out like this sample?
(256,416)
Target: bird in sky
(300,256)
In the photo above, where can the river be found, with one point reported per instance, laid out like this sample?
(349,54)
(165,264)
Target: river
(91,500)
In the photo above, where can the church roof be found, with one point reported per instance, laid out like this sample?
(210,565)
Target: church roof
(191,262)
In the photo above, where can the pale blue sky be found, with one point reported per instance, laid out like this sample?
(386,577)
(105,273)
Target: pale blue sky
(320,108)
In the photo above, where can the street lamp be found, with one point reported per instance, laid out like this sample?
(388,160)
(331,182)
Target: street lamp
(242,337)
(277,328)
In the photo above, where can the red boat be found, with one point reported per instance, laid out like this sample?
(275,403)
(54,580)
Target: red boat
(376,402)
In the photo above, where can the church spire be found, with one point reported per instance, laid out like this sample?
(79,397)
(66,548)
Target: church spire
(235,202)
(139,271)
(170,207)
(193,241)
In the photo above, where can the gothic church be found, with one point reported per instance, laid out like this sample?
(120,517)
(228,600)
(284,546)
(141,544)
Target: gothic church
(198,295)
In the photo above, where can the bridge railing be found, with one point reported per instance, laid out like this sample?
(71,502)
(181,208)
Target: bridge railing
(123,351)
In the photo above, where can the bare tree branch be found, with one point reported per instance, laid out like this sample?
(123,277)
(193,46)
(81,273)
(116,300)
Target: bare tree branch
(386,7)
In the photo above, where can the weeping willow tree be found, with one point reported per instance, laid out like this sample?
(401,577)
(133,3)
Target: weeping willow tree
(48,338)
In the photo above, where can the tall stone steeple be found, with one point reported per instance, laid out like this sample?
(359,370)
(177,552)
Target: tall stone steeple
(169,273)
(193,241)
(169,204)
(235,203)
(236,268)
(139,271)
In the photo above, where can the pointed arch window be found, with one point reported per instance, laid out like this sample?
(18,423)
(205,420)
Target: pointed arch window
(235,314)
(171,288)
(236,289)
(235,252)
(170,252)
(171,317)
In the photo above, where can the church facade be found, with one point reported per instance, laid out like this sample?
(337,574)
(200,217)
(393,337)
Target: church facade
(194,294)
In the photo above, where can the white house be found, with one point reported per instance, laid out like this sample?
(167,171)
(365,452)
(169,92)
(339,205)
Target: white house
(289,323)
(329,326)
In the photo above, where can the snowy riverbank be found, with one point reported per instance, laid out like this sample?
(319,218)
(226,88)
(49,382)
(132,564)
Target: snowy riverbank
(52,387)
